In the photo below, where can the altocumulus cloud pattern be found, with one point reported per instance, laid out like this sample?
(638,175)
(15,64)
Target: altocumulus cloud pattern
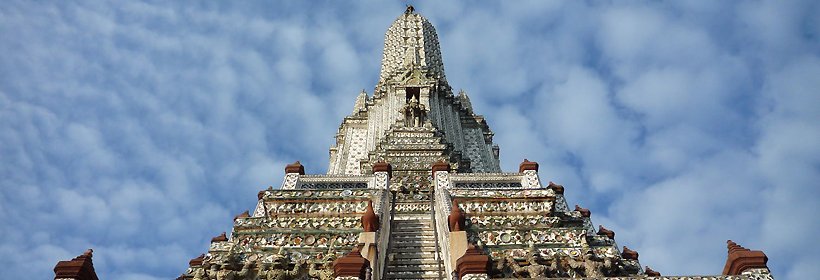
(140,129)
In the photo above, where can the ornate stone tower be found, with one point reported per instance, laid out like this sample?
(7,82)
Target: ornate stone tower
(414,191)
(413,119)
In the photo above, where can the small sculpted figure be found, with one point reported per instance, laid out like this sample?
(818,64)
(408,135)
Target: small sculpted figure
(370,221)
(323,273)
(212,273)
(593,265)
(247,273)
(199,274)
(456,219)
(280,270)
(262,270)
(226,273)
(535,268)
(576,265)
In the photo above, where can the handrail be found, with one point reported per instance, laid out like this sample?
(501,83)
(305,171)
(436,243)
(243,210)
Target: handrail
(435,232)
(389,246)
(442,207)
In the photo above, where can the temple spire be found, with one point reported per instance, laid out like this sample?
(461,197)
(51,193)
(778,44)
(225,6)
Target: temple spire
(411,43)
(413,118)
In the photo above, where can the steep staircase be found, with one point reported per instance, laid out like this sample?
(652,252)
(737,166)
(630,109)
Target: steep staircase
(413,251)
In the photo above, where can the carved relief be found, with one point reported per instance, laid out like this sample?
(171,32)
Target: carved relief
(566,237)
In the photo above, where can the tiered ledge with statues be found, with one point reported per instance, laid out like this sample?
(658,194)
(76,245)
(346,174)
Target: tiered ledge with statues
(308,228)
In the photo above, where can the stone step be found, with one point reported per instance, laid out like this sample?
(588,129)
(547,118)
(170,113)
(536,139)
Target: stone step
(410,275)
(410,250)
(415,242)
(411,255)
(427,221)
(409,237)
(408,225)
(424,263)
(413,277)
(402,250)
(423,218)
(409,233)
(413,268)
(413,223)
(430,261)
(414,238)
(412,231)
(412,234)
(400,226)
(405,217)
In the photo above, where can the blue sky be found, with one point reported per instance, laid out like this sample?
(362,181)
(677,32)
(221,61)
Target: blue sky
(140,129)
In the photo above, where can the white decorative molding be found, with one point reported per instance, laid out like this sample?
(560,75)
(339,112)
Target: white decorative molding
(530,179)
(475,277)
(381,180)
(259,211)
(291,181)
(443,180)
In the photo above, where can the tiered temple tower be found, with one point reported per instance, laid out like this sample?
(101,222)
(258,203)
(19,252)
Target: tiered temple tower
(414,191)
(413,117)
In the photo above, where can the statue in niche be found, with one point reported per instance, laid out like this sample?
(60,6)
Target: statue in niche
(414,112)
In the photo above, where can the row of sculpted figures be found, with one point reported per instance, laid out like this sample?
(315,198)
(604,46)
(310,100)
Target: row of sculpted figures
(559,265)
(275,267)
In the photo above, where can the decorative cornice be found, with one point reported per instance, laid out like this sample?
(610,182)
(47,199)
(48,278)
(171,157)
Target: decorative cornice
(440,166)
(604,231)
(242,215)
(558,189)
(220,238)
(383,167)
(351,265)
(651,273)
(629,254)
(584,212)
(474,261)
(197,261)
(527,165)
(79,268)
(295,167)
(741,259)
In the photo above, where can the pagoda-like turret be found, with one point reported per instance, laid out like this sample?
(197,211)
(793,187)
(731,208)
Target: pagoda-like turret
(413,119)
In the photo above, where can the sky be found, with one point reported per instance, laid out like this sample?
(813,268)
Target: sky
(140,129)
